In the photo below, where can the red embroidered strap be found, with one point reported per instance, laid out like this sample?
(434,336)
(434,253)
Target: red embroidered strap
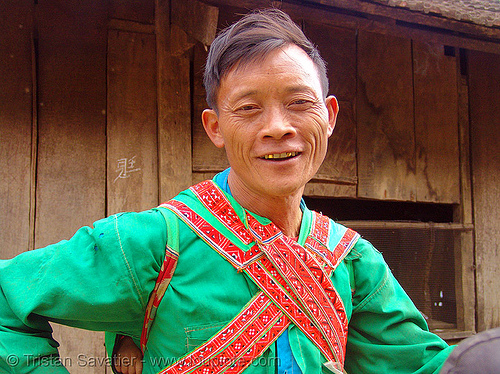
(162,282)
(295,281)
(298,269)
(235,347)
(238,258)
(312,288)
(215,201)
(260,270)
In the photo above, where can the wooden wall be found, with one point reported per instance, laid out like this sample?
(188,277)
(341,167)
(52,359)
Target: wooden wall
(93,121)
(16,129)
(484,75)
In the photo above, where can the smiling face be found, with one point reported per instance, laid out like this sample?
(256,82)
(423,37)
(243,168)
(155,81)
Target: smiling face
(273,122)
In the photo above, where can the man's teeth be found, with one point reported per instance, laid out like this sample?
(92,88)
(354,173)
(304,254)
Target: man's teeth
(280,155)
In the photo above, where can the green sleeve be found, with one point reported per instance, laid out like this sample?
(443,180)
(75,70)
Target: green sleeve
(100,279)
(387,333)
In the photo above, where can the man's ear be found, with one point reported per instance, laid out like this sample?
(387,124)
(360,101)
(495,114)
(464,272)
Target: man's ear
(210,121)
(333,110)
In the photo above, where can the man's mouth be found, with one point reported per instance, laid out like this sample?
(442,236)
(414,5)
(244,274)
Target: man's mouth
(280,156)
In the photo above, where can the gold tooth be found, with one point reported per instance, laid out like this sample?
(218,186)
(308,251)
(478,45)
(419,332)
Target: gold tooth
(281,155)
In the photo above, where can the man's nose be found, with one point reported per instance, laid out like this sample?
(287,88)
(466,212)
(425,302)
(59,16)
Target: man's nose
(276,124)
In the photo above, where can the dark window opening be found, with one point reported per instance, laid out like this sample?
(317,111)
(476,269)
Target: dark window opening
(370,210)
(421,257)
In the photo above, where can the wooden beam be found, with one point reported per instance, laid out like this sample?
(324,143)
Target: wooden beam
(142,11)
(388,24)
(464,242)
(340,164)
(458,227)
(180,42)
(206,156)
(414,17)
(484,91)
(321,189)
(174,110)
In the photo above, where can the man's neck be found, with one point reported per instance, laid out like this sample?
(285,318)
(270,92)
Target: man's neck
(283,211)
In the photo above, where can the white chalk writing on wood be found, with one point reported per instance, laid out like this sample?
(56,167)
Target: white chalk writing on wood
(125,167)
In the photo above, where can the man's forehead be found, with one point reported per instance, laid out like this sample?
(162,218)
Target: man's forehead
(290,52)
(280,62)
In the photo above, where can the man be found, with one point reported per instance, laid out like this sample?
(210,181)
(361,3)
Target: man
(247,278)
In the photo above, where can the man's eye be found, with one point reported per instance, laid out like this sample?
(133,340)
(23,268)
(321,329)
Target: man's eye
(247,107)
(301,102)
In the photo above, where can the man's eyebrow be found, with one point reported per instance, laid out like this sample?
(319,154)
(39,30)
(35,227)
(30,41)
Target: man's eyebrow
(296,88)
(245,93)
(300,88)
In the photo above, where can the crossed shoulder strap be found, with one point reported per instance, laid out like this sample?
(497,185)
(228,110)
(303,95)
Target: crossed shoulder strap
(294,281)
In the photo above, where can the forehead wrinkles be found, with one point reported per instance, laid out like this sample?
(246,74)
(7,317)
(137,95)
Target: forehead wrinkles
(298,71)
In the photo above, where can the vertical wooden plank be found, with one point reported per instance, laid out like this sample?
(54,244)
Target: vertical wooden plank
(16,101)
(206,156)
(174,110)
(207,159)
(142,11)
(484,91)
(340,161)
(132,129)
(71,155)
(386,144)
(337,175)
(338,48)
(197,19)
(464,242)
(436,124)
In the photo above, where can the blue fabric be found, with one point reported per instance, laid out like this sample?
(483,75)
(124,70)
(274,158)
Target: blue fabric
(286,361)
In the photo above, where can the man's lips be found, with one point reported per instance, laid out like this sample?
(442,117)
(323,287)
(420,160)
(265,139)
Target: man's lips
(280,156)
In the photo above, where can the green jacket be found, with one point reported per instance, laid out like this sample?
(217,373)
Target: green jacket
(102,277)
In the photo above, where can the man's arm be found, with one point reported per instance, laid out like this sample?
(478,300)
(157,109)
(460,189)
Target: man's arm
(100,279)
(387,333)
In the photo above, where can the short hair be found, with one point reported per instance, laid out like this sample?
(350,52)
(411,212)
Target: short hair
(253,37)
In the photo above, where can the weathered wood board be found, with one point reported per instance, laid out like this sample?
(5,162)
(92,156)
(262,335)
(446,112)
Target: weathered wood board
(16,101)
(386,142)
(338,48)
(142,11)
(174,106)
(71,174)
(436,124)
(197,19)
(206,156)
(339,165)
(484,94)
(131,122)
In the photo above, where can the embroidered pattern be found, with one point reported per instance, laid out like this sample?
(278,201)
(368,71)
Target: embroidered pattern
(240,259)
(162,282)
(295,283)
(214,200)
(236,346)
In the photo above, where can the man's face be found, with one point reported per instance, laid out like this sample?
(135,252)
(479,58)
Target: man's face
(273,123)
